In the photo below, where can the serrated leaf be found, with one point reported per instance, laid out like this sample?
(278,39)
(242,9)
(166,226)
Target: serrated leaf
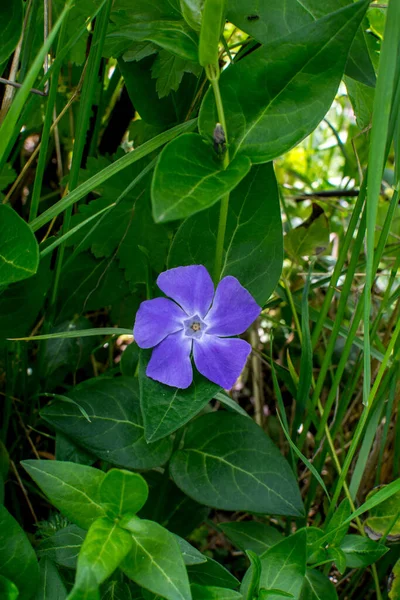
(189,178)
(116,432)
(19,250)
(155,561)
(168,70)
(123,492)
(251,535)
(253,238)
(360,551)
(18,562)
(283,89)
(218,465)
(166,409)
(72,488)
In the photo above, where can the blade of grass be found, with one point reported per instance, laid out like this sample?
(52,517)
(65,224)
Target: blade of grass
(76,334)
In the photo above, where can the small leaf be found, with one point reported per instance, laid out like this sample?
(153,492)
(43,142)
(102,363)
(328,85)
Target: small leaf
(218,465)
(168,70)
(383,516)
(317,587)
(155,561)
(18,561)
(116,432)
(338,557)
(51,586)
(361,552)
(335,524)
(189,178)
(251,535)
(208,592)
(72,488)
(19,250)
(63,547)
(309,238)
(123,492)
(166,409)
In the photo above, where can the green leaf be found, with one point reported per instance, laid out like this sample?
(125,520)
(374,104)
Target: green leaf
(273,23)
(309,238)
(360,551)
(251,535)
(72,488)
(103,549)
(383,516)
(335,528)
(123,492)
(19,250)
(166,409)
(116,590)
(283,89)
(8,174)
(191,555)
(155,561)
(255,575)
(8,590)
(212,573)
(394,592)
(116,432)
(338,557)
(11,16)
(168,70)
(51,586)
(18,561)
(283,567)
(218,465)
(191,11)
(317,587)
(189,178)
(253,240)
(208,592)
(130,360)
(63,547)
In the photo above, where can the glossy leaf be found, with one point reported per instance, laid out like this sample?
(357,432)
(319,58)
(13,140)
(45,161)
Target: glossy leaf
(190,554)
(72,488)
(18,561)
(361,551)
(51,585)
(189,178)
(104,548)
(219,464)
(11,16)
(208,592)
(8,589)
(123,492)
(253,238)
(284,89)
(273,22)
(251,535)
(166,409)
(63,547)
(317,587)
(155,561)
(115,432)
(212,573)
(19,250)
(255,576)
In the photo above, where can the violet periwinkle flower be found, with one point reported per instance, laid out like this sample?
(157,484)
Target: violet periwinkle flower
(196,321)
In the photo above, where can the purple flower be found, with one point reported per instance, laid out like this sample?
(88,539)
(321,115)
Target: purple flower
(196,321)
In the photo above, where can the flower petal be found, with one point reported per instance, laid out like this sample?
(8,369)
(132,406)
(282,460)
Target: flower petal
(156,319)
(234,309)
(219,359)
(191,287)
(170,362)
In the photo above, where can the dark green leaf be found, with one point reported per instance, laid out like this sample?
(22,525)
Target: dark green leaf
(19,250)
(8,590)
(251,535)
(208,592)
(11,16)
(155,561)
(72,488)
(130,360)
(103,549)
(335,528)
(273,23)
(360,551)
(166,409)
(115,432)
(212,573)
(338,557)
(362,99)
(51,586)
(255,575)
(168,70)
(18,561)
(284,89)
(253,238)
(189,178)
(317,587)
(123,492)
(66,450)
(224,456)
(63,547)
(191,555)
(8,174)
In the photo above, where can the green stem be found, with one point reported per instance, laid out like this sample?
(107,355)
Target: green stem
(223,213)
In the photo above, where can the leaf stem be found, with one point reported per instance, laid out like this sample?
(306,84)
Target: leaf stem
(213,77)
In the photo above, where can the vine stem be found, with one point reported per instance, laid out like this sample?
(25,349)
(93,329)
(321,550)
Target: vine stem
(213,77)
